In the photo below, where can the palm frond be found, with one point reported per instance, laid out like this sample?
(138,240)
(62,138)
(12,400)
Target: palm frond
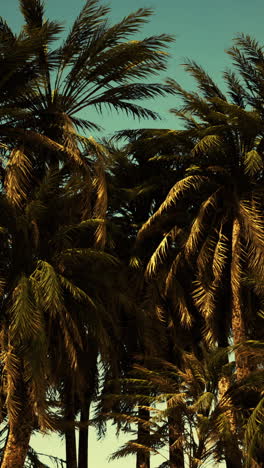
(11,370)
(25,316)
(49,289)
(198,226)
(180,189)
(18,175)
(77,293)
(205,83)
(207,143)
(160,254)
(253,162)
(252,222)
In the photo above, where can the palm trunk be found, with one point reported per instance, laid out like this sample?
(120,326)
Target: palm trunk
(195,463)
(143,458)
(17,445)
(175,446)
(88,366)
(71,461)
(20,429)
(238,323)
(70,440)
(232,452)
(233,455)
(83,436)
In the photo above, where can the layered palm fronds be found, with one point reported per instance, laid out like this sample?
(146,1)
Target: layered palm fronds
(56,281)
(97,65)
(222,196)
(80,301)
(184,410)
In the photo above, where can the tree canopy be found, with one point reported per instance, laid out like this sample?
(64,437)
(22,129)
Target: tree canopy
(131,268)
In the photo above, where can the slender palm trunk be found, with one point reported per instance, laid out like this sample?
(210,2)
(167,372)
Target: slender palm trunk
(70,439)
(232,452)
(71,461)
(83,436)
(20,429)
(238,322)
(143,458)
(233,455)
(195,463)
(175,446)
(88,366)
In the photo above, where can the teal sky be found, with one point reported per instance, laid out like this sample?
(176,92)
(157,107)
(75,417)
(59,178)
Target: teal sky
(203,31)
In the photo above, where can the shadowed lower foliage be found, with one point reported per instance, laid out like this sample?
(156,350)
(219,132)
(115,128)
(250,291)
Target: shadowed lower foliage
(131,270)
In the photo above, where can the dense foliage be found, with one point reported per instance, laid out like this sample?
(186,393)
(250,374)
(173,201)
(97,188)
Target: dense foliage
(131,270)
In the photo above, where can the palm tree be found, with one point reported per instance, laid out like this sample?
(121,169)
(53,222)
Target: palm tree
(48,305)
(96,65)
(138,184)
(211,259)
(188,397)
(134,188)
(222,196)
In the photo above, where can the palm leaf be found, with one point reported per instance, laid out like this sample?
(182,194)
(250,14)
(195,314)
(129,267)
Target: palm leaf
(253,162)
(25,316)
(18,175)
(180,189)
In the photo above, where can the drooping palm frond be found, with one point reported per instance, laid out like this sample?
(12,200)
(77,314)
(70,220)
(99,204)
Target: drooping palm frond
(10,372)
(100,187)
(253,227)
(26,320)
(178,191)
(17,177)
(33,460)
(206,144)
(160,254)
(196,232)
(175,290)
(253,162)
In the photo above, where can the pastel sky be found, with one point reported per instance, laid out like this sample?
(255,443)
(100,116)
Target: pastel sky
(203,30)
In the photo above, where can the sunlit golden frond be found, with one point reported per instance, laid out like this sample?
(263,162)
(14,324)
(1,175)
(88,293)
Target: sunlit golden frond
(253,162)
(206,144)
(199,224)
(160,254)
(180,189)
(18,175)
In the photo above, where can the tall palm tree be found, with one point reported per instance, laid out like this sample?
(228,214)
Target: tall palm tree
(222,196)
(138,185)
(42,305)
(190,398)
(96,65)
(134,187)
(211,259)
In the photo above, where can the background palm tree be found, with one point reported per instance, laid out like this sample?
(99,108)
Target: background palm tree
(224,184)
(210,228)
(71,208)
(48,168)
